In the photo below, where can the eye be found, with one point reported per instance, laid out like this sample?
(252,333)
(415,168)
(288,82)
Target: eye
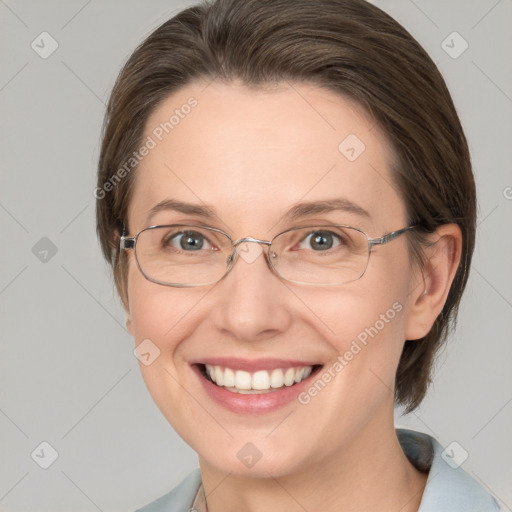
(187,241)
(321,241)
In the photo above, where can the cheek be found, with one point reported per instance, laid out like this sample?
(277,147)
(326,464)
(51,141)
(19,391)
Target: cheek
(161,317)
(158,317)
(364,323)
(373,306)
(156,312)
(365,330)
(366,333)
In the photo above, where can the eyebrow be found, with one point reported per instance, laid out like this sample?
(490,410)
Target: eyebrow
(330,205)
(179,206)
(296,212)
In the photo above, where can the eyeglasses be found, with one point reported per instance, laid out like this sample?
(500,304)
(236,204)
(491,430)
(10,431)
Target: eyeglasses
(187,255)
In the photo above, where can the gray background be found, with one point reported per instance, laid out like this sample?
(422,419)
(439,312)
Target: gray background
(67,372)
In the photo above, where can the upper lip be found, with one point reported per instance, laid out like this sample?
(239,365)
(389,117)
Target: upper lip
(252,365)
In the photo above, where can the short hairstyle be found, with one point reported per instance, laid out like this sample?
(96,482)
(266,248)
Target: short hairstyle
(349,47)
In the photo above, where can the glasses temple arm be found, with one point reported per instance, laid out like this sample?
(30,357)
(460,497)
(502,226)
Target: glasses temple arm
(390,236)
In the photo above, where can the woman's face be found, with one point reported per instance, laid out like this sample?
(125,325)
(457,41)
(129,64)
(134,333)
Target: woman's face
(250,157)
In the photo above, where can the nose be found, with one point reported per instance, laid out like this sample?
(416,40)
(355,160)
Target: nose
(253,303)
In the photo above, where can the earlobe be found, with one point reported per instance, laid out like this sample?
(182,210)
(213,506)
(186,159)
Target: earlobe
(428,296)
(129,324)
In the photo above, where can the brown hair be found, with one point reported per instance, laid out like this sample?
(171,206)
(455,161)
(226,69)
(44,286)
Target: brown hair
(347,46)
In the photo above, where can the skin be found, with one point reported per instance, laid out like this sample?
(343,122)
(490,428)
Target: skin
(252,155)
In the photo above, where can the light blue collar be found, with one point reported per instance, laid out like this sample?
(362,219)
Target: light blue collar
(449,488)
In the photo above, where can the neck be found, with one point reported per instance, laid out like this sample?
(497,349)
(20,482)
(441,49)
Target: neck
(372,473)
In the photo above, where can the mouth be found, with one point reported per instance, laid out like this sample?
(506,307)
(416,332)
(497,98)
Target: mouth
(257,382)
(254,387)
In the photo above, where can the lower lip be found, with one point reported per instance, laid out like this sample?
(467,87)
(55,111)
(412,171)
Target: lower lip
(259,403)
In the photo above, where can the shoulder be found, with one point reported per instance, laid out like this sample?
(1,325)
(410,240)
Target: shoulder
(449,488)
(180,499)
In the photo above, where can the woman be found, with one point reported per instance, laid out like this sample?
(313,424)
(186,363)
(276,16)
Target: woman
(286,197)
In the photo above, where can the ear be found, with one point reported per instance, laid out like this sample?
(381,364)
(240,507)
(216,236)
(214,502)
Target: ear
(129,324)
(114,239)
(126,306)
(429,292)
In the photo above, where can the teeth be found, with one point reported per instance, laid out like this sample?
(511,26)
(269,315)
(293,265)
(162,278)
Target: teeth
(261,380)
(277,379)
(229,378)
(289,377)
(299,374)
(240,381)
(219,374)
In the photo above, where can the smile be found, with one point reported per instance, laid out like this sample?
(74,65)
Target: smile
(254,387)
(260,381)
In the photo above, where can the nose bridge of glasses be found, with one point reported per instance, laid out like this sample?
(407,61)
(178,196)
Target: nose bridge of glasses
(249,253)
(250,239)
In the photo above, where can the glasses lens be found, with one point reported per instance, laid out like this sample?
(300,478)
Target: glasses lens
(321,255)
(182,255)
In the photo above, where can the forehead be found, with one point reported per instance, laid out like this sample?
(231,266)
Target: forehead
(254,154)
